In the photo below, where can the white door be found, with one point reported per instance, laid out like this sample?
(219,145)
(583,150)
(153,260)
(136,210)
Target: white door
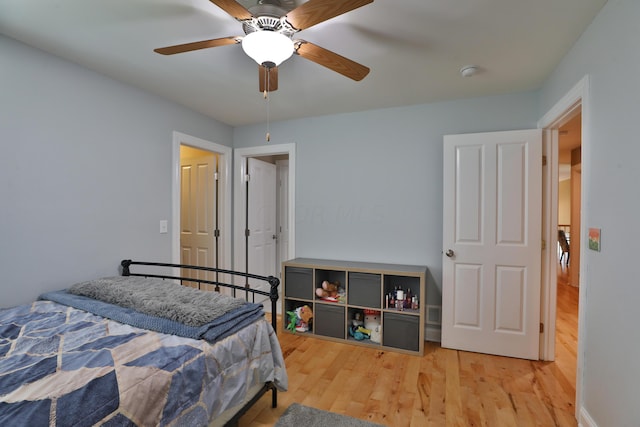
(492,242)
(197,209)
(262,218)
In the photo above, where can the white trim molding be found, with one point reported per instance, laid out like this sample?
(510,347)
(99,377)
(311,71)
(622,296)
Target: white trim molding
(567,105)
(577,97)
(585,420)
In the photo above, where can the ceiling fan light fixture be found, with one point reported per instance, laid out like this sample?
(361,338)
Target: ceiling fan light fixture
(267,46)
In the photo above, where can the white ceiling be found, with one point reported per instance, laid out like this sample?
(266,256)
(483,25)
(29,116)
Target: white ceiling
(415,49)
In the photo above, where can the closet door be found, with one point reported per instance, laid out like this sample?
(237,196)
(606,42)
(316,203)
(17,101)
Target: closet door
(197,210)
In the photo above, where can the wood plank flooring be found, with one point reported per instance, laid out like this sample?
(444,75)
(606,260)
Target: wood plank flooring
(442,388)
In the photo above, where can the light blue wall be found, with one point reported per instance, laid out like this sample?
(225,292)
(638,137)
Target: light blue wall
(369,185)
(608,52)
(85,172)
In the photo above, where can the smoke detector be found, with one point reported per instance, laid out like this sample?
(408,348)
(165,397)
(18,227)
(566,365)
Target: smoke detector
(469,70)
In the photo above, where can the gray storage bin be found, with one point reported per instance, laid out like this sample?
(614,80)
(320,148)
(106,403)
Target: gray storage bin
(365,289)
(298,282)
(328,320)
(401,331)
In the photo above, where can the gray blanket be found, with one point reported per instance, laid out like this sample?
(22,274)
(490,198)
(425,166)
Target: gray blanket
(160,298)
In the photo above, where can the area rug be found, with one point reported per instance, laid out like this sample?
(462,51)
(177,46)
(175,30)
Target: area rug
(298,415)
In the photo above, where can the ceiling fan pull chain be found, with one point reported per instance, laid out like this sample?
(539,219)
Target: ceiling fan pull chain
(266,97)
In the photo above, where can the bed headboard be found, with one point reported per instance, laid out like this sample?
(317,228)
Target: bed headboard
(250,292)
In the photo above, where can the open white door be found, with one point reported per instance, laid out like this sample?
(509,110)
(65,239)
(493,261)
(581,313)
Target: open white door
(197,209)
(492,242)
(262,218)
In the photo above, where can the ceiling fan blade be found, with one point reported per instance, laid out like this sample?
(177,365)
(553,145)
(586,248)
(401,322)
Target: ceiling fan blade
(233,8)
(315,11)
(204,44)
(268,78)
(331,60)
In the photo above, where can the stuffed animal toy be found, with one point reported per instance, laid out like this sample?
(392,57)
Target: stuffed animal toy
(371,319)
(376,334)
(357,319)
(304,316)
(358,332)
(328,290)
(293,320)
(372,324)
(299,319)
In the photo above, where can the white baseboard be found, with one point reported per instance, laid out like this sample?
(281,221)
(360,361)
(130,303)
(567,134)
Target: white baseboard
(585,419)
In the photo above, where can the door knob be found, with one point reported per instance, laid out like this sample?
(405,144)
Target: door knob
(449,253)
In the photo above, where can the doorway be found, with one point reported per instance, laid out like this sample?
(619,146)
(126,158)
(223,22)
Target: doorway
(199,213)
(574,103)
(220,192)
(569,197)
(568,254)
(282,157)
(267,243)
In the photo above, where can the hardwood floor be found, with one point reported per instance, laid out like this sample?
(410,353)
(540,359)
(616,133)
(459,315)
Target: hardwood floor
(442,388)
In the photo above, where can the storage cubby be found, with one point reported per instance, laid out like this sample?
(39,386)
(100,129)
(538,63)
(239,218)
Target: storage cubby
(290,305)
(410,287)
(332,276)
(366,288)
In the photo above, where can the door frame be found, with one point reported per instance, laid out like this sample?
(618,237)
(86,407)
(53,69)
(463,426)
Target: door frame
(224,195)
(240,156)
(282,206)
(577,97)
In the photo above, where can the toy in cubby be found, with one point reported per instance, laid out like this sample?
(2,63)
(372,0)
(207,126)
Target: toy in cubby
(330,291)
(372,323)
(369,328)
(300,318)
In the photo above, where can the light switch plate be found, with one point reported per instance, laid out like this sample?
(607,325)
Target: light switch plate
(163,226)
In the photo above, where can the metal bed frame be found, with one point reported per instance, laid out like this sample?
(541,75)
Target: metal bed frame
(274,282)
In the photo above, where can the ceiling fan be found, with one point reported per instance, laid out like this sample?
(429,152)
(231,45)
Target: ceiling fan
(269,31)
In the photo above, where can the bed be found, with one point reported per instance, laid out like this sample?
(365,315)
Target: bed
(141,349)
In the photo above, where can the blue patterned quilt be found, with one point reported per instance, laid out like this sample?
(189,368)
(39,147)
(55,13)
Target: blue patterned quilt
(63,366)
